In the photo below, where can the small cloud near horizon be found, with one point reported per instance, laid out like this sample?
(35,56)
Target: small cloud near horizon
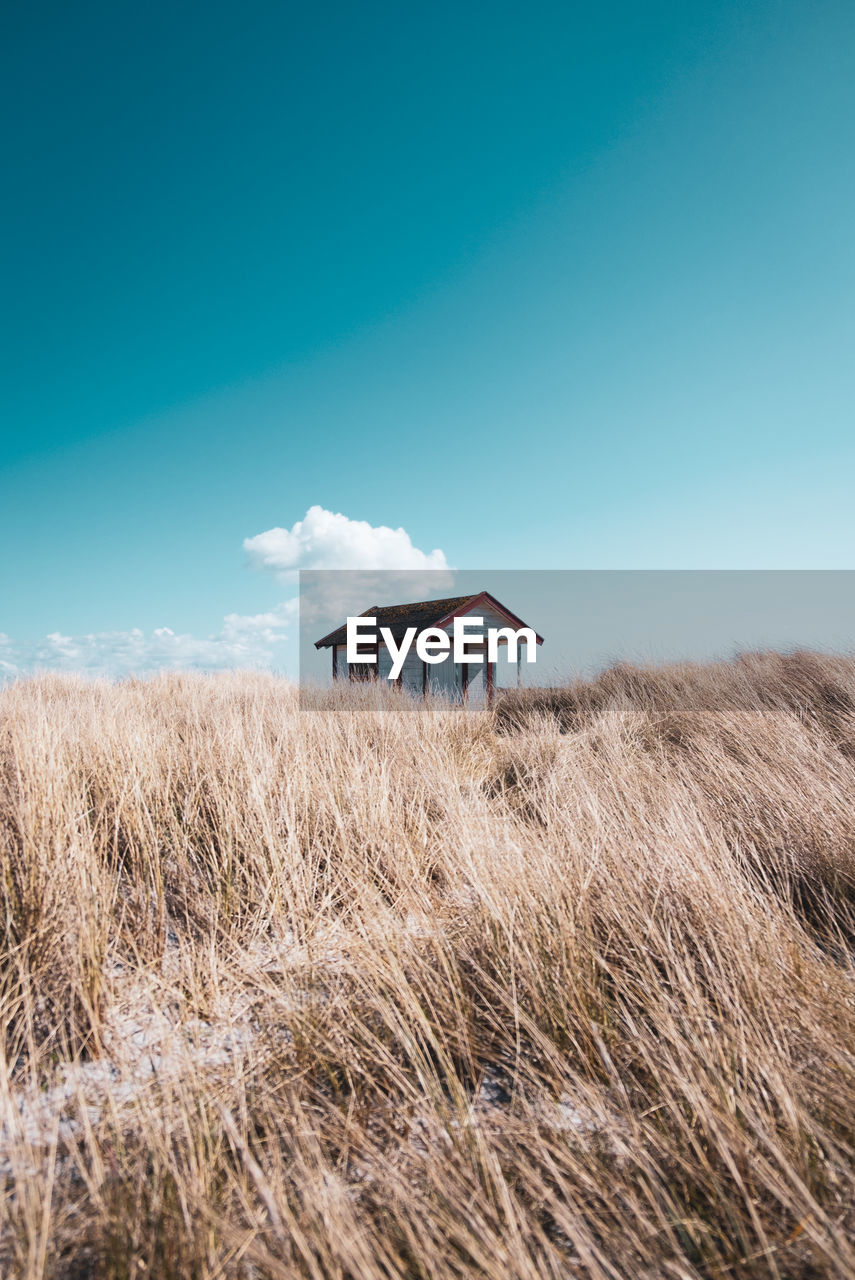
(250,641)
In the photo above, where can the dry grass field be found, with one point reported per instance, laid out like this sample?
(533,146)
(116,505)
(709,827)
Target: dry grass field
(560,989)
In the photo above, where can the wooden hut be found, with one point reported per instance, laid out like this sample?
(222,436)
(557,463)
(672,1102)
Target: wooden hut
(473,683)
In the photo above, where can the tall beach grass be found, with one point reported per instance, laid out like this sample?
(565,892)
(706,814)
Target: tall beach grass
(560,988)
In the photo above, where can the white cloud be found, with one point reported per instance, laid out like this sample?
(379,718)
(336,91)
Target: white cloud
(328,540)
(261,628)
(370,564)
(260,640)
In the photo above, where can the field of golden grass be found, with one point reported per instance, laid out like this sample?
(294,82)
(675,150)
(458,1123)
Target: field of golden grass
(563,988)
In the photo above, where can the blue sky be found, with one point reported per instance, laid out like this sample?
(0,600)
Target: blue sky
(546,286)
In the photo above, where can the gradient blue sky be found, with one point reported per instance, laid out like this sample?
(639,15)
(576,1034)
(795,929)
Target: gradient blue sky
(548,286)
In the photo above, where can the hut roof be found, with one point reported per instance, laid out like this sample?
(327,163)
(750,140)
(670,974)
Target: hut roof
(419,614)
